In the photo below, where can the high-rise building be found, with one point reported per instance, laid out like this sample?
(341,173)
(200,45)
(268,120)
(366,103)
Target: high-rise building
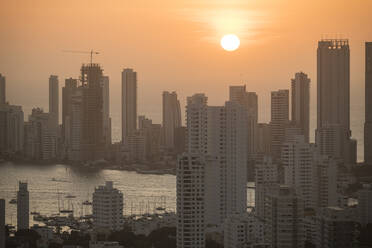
(128,102)
(264,139)
(368,106)
(365,204)
(40,136)
(300,170)
(249,101)
(92,138)
(106,110)
(2,90)
(171,117)
(71,86)
(23,207)
(2,223)
(107,208)
(301,103)
(54,100)
(284,214)
(333,86)
(279,120)
(11,128)
(336,228)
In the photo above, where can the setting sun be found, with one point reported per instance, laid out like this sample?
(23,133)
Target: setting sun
(230,42)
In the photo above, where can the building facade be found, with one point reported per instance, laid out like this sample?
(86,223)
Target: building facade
(171,118)
(23,207)
(368,105)
(128,102)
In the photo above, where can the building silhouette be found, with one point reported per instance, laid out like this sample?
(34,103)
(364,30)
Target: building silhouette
(301,103)
(171,118)
(2,90)
(128,102)
(368,105)
(279,120)
(105,83)
(2,223)
(23,207)
(54,99)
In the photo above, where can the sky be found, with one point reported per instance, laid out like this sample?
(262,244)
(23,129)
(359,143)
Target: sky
(174,45)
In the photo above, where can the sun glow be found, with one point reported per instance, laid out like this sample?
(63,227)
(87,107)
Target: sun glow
(230,42)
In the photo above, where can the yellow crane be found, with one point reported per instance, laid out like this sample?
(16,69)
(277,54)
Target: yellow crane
(91,52)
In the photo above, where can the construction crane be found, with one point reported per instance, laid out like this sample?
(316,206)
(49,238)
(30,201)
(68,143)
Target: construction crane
(85,52)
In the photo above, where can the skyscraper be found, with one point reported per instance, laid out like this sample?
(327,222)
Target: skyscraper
(333,86)
(23,207)
(279,120)
(106,110)
(54,99)
(128,102)
(171,117)
(301,103)
(249,101)
(368,106)
(11,128)
(67,92)
(91,139)
(2,90)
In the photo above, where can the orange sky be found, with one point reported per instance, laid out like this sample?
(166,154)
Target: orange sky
(174,45)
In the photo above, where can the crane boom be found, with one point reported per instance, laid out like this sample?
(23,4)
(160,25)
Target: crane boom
(91,52)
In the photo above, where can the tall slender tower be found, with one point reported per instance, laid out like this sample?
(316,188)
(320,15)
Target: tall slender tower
(279,120)
(2,90)
(171,117)
(128,102)
(54,99)
(23,207)
(106,110)
(2,223)
(368,106)
(333,80)
(301,103)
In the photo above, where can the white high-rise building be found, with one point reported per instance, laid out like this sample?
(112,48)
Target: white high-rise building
(279,120)
(106,109)
(2,223)
(365,204)
(23,207)
(107,208)
(300,170)
(128,102)
(301,103)
(171,117)
(284,213)
(216,184)
(54,100)
(249,101)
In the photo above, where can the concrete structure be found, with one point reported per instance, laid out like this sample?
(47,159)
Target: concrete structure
(2,223)
(92,143)
(368,105)
(300,170)
(249,101)
(284,218)
(171,118)
(2,90)
(301,103)
(40,136)
(105,84)
(333,86)
(107,208)
(365,205)
(264,139)
(335,228)
(327,171)
(279,120)
(136,143)
(266,177)
(217,144)
(67,92)
(23,207)
(54,100)
(243,230)
(128,102)
(11,128)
